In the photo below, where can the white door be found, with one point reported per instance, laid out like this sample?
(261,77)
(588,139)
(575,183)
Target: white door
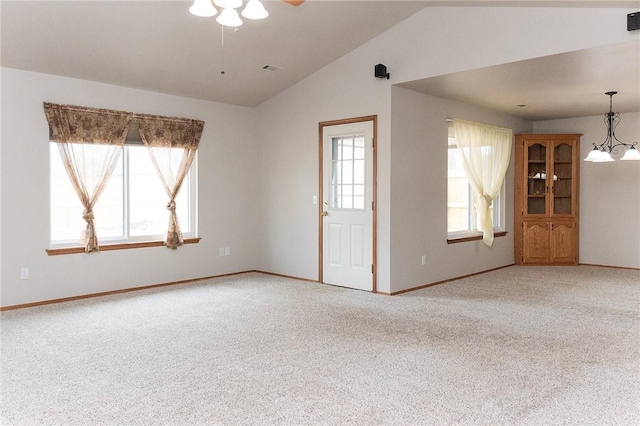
(347,231)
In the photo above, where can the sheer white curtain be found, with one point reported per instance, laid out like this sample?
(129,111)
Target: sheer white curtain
(485,151)
(172,144)
(90,141)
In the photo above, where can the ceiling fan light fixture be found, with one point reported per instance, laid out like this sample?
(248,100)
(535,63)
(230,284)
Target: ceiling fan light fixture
(255,10)
(228,4)
(229,18)
(203,8)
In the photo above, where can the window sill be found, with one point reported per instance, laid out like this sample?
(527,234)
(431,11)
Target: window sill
(122,246)
(473,237)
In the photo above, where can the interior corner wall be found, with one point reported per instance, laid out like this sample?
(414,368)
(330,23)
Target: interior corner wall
(419,132)
(609,208)
(226,193)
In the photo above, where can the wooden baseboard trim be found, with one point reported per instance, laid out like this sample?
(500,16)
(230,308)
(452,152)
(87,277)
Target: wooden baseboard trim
(446,281)
(609,266)
(172,283)
(111,292)
(286,276)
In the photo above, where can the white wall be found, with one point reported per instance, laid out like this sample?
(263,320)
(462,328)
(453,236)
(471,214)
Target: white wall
(432,42)
(609,192)
(419,192)
(226,193)
(288,152)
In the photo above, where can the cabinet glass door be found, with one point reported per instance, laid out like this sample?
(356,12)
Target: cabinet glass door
(562,185)
(537,179)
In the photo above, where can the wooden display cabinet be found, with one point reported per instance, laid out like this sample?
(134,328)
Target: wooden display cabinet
(546,199)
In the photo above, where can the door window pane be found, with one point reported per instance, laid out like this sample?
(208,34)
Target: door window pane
(347,179)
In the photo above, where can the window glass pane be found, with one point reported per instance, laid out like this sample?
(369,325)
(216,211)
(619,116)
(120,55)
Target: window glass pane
(66,210)
(358,171)
(348,148)
(335,180)
(358,151)
(108,211)
(347,202)
(457,193)
(148,214)
(67,224)
(460,196)
(347,172)
(336,149)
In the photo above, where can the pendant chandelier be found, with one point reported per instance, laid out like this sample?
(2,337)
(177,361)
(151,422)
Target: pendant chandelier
(602,153)
(229,16)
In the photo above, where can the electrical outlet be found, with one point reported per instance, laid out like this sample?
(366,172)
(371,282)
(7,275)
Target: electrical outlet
(227,251)
(24,273)
(424,259)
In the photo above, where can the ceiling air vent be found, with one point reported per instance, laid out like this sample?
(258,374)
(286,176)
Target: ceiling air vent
(271,68)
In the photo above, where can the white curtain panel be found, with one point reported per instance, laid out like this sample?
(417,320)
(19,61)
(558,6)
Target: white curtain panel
(172,144)
(90,142)
(486,152)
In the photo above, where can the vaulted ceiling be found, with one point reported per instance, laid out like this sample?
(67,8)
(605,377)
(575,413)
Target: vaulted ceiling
(159,46)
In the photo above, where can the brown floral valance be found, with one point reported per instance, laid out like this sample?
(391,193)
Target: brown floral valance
(73,124)
(77,124)
(168,132)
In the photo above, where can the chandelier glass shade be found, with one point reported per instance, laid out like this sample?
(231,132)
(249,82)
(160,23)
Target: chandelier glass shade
(229,16)
(602,153)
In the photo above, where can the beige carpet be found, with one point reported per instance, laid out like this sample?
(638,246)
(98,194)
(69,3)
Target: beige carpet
(517,346)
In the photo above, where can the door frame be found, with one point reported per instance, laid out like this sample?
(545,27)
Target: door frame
(374,209)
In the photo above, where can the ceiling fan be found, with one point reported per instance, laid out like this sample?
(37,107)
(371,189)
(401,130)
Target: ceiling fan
(229,17)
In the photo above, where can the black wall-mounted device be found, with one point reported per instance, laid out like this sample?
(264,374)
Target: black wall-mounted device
(380,71)
(633,21)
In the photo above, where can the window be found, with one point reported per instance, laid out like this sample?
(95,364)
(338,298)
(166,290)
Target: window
(132,207)
(347,172)
(461,215)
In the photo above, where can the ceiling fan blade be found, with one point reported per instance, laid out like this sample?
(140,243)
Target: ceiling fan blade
(294,2)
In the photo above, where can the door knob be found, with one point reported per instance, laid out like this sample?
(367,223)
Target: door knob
(325,213)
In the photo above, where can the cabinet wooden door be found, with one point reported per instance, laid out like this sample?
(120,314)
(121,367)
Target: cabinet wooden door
(562,237)
(536,242)
(549,242)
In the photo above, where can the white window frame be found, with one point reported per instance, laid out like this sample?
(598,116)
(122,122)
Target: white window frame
(189,184)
